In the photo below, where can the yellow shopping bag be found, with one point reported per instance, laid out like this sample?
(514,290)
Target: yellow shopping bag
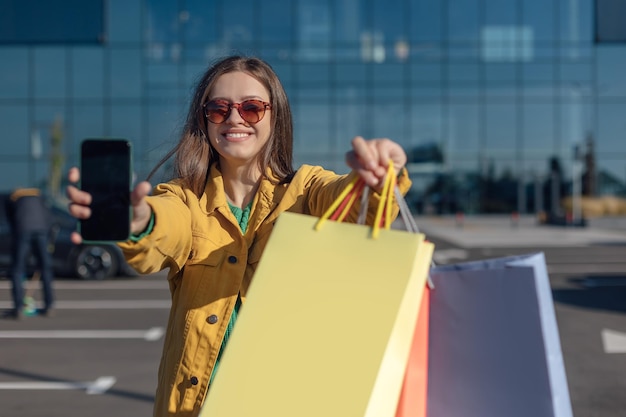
(328,323)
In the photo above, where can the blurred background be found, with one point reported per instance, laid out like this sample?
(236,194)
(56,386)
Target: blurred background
(503,105)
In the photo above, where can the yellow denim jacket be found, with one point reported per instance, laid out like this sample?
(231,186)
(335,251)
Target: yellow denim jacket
(210,262)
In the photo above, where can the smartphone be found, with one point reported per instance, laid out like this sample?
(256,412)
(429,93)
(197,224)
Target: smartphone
(106,174)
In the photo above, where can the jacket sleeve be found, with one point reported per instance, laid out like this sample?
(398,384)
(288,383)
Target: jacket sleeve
(169,243)
(323,187)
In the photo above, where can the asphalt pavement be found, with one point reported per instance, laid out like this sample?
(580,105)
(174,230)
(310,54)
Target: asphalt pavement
(99,355)
(524,231)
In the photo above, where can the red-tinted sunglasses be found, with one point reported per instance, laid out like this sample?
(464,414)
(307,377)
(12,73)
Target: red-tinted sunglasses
(252,111)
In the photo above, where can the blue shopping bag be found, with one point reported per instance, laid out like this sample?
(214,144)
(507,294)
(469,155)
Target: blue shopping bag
(494,347)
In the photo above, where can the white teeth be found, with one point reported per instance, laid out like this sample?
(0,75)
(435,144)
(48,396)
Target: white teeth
(236,135)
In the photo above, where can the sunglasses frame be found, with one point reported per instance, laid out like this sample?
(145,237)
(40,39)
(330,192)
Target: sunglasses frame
(264,107)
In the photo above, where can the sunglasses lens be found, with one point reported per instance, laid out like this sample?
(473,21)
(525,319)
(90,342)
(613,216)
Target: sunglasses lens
(217,111)
(252,111)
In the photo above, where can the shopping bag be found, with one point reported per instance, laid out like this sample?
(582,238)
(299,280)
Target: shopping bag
(412,401)
(327,325)
(494,346)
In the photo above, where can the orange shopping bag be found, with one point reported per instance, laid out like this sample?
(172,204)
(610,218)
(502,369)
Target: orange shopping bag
(412,401)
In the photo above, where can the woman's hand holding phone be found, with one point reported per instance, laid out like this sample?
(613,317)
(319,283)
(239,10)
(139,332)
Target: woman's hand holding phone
(80,201)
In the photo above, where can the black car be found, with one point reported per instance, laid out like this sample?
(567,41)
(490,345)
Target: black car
(85,261)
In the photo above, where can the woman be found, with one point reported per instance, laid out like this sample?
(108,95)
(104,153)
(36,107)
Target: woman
(209,225)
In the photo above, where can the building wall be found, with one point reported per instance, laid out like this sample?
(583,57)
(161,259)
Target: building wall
(498,86)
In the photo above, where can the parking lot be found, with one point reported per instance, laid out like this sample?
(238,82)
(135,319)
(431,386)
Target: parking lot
(99,354)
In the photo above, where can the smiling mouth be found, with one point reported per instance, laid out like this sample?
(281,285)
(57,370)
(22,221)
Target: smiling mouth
(236,136)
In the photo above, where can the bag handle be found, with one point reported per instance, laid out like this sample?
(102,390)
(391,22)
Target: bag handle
(342,205)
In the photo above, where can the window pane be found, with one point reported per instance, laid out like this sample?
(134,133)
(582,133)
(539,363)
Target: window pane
(426,20)
(500,128)
(582,73)
(611,128)
(162,21)
(309,73)
(390,119)
(87,122)
(500,73)
(45,22)
(313,31)
(538,129)
(238,24)
(276,20)
(20,173)
(311,128)
(463,20)
(50,72)
(126,122)
(463,74)
(500,12)
(349,17)
(426,73)
(87,73)
(387,73)
(389,18)
(14,122)
(163,119)
(200,20)
(349,122)
(463,127)
(426,122)
(13,73)
(126,73)
(575,121)
(575,21)
(123,19)
(611,70)
(539,15)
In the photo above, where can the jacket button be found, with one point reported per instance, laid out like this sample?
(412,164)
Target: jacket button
(232,259)
(212,319)
(194,380)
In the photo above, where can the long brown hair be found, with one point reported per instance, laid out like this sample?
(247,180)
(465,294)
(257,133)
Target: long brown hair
(194,153)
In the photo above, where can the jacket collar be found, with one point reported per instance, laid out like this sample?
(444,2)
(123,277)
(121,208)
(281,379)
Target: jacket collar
(215,198)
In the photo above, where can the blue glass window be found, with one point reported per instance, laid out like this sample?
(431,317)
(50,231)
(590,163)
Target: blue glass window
(14,73)
(87,71)
(50,72)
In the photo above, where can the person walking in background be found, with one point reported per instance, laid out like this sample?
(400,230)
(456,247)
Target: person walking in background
(233,177)
(30,221)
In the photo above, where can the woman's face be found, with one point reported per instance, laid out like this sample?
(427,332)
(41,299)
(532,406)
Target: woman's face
(237,141)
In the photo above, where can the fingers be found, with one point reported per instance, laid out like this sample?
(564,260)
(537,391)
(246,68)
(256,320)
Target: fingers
(370,159)
(141,209)
(73,175)
(140,192)
(79,200)
(76,238)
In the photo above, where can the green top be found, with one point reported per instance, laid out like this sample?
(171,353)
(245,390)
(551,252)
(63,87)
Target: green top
(242,216)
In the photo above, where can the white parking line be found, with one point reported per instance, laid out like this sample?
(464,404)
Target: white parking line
(102,304)
(98,285)
(99,386)
(150,335)
(613,341)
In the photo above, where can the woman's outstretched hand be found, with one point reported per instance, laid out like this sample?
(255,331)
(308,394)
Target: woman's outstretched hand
(80,201)
(370,158)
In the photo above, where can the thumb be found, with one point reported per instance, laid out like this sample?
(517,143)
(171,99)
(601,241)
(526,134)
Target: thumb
(140,192)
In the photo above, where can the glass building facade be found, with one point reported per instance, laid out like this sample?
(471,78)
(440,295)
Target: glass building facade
(502,105)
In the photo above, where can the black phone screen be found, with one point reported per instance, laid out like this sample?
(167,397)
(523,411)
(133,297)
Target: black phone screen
(106,175)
